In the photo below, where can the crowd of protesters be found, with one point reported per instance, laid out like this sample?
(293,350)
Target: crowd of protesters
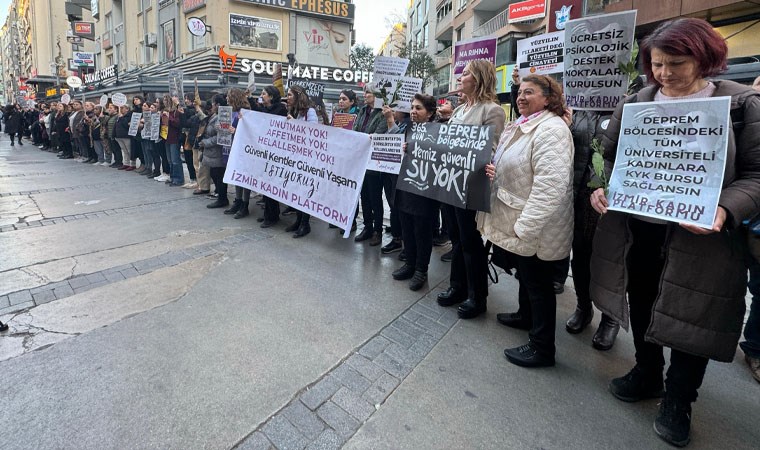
(679,286)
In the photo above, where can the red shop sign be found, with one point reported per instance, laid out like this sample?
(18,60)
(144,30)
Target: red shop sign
(528,10)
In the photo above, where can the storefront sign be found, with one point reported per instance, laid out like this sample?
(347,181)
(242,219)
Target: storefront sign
(473,49)
(255,32)
(51,92)
(84,29)
(100,75)
(94,9)
(196,26)
(74,82)
(84,59)
(595,47)
(335,10)
(232,64)
(670,160)
(528,10)
(542,54)
(192,5)
(314,168)
(561,11)
(322,42)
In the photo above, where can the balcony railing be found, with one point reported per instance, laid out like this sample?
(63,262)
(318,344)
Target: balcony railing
(492,26)
(443,57)
(444,23)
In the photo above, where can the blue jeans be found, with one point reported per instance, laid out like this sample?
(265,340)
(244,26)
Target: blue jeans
(751,347)
(175,162)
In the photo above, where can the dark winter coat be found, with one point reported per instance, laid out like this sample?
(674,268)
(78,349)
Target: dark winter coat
(375,123)
(121,129)
(700,305)
(586,125)
(13,122)
(61,126)
(212,153)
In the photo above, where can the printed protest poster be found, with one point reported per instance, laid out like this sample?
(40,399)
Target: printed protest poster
(155,126)
(176,81)
(670,160)
(145,132)
(314,168)
(594,47)
(134,124)
(399,92)
(344,120)
(119,99)
(103,100)
(473,49)
(65,99)
(447,163)
(387,74)
(542,54)
(329,111)
(314,90)
(224,137)
(387,151)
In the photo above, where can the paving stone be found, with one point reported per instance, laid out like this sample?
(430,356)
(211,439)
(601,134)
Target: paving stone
(114,276)
(63,291)
(398,336)
(78,282)
(35,223)
(256,441)
(424,345)
(408,327)
(381,389)
(353,404)
(448,318)
(425,311)
(351,378)
(320,392)
(48,222)
(95,277)
(338,419)
(392,366)
(406,356)
(6,228)
(374,347)
(328,440)
(129,273)
(432,327)
(411,316)
(15,308)
(19,297)
(4,302)
(44,297)
(118,268)
(364,366)
(283,434)
(304,419)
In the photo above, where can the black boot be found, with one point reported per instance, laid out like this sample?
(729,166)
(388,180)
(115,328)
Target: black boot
(673,421)
(242,211)
(296,225)
(471,308)
(220,202)
(638,384)
(303,230)
(579,320)
(234,208)
(451,297)
(404,273)
(3,326)
(605,335)
(418,280)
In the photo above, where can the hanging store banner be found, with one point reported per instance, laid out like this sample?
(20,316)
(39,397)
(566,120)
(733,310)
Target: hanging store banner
(387,152)
(594,49)
(447,163)
(192,5)
(670,160)
(542,54)
(255,32)
(561,11)
(100,75)
(528,10)
(473,49)
(322,43)
(314,168)
(331,9)
(84,29)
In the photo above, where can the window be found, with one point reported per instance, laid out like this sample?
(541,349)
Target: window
(461,5)
(420,15)
(425,40)
(168,49)
(460,30)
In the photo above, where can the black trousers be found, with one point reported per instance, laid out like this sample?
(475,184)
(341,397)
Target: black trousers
(302,218)
(537,300)
(646,260)
(583,238)
(66,148)
(271,209)
(189,163)
(160,159)
(135,149)
(116,150)
(418,240)
(372,201)
(389,183)
(217,176)
(469,263)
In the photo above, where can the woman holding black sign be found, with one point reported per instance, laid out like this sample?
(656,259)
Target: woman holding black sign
(685,284)
(415,211)
(532,211)
(469,264)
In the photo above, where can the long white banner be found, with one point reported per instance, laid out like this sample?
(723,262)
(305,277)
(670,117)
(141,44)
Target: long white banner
(314,168)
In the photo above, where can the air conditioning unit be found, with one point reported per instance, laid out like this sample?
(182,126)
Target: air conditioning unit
(151,40)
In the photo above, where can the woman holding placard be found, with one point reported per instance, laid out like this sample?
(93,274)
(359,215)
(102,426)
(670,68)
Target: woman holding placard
(270,102)
(532,211)
(300,107)
(469,265)
(213,157)
(685,284)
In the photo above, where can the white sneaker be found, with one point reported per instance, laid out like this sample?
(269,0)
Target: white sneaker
(105,163)
(190,185)
(162,177)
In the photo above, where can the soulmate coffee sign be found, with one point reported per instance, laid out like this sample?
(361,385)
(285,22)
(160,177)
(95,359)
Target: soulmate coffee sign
(314,168)
(594,48)
(447,163)
(670,160)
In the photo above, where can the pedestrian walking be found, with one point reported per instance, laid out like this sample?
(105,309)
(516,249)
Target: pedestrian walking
(13,123)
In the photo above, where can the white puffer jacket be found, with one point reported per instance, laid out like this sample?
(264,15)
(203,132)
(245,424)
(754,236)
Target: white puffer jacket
(532,192)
